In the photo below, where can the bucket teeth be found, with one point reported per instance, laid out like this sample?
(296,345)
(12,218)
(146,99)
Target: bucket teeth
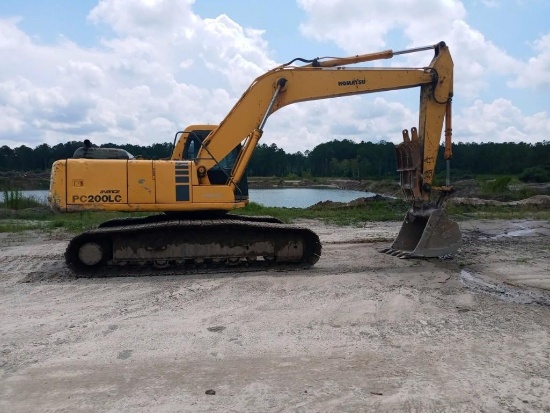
(396,253)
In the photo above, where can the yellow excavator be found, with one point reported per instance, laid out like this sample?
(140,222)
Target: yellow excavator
(205,178)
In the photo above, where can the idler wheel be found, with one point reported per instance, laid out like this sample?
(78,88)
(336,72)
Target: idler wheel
(91,254)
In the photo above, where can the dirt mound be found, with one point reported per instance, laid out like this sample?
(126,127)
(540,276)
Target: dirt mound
(542,201)
(24,180)
(352,204)
(539,200)
(468,188)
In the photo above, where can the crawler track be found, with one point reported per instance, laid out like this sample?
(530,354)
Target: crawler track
(196,245)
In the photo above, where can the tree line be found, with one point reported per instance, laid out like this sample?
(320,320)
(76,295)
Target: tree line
(345,158)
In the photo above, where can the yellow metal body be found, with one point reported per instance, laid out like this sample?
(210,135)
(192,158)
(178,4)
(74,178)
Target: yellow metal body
(182,184)
(134,185)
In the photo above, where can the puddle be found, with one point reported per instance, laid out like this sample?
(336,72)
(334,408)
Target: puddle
(518,233)
(503,292)
(522,231)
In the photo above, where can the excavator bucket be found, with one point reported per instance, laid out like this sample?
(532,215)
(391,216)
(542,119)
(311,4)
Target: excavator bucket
(426,236)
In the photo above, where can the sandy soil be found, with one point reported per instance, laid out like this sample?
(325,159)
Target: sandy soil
(361,331)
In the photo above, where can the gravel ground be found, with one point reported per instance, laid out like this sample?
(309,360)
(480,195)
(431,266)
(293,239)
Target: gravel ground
(361,331)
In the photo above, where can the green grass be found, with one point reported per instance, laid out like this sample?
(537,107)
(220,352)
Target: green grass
(393,210)
(81,221)
(506,188)
(497,212)
(374,211)
(18,225)
(485,214)
(76,222)
(14,199)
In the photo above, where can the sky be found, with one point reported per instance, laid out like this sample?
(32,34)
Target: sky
(138,71)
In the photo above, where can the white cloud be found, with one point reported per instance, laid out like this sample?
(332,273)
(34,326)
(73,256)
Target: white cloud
(142,85)
(355,25)
(491,3)
(144,17)
(13,121)
(500,121)
(536,72)
(11,38)
(165,67)
(361,28)
(303,126)
(237,53)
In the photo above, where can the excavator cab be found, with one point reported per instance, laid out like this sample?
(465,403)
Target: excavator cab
(85,152)
(221,173)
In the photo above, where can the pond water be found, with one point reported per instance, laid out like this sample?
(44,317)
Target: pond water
(303,197)
(276,197)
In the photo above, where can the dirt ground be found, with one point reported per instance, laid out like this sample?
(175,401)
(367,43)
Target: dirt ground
(361,331)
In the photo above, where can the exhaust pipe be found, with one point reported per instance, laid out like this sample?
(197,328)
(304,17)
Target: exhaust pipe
(426,235)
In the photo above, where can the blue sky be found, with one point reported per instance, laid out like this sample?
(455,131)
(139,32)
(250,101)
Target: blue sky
(139,70)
